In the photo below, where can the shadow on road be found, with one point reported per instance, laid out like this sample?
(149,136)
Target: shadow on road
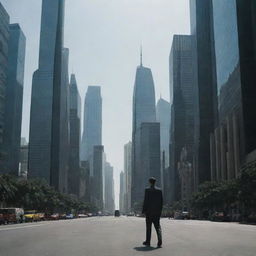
(145,248)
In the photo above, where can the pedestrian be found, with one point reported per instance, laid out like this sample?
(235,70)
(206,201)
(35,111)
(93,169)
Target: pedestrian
(152,208)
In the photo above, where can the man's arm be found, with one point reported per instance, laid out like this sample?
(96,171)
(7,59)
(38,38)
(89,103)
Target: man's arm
(145,203)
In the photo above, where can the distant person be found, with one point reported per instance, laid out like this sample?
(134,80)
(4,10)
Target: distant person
(152,208)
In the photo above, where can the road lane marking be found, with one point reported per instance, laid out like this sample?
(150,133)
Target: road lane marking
(30,226)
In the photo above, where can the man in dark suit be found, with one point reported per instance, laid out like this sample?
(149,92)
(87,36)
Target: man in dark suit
(152,208)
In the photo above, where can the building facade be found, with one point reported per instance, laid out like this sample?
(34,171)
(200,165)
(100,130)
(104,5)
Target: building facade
(14,99)
(182,83)
(206,117)
(4,45)
(150,155)
(163,116)
(92,131)
(75,137)
(97,189)
(44,141)
(144,110)
(128,174)
(235,55)
(109,202)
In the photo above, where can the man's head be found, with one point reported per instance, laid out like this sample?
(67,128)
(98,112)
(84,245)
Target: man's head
(152,181)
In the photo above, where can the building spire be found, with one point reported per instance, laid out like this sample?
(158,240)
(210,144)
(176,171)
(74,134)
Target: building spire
(141,62)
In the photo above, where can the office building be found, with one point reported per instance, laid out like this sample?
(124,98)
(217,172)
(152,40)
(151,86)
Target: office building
(46,108)
(14,99)
(183,84)
(206,117)
(4,45)
(144,110)
(92,130)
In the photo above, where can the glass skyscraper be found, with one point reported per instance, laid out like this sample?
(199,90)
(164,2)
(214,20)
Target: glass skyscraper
(233,138)
(14,99)
(144,110)
(44,142)
(92,130)
(4,40)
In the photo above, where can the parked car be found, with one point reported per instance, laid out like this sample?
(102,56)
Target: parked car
(31,216)
(11,215)
(41,216)
(220,216)
(81,215)
(55,216)
(70,216)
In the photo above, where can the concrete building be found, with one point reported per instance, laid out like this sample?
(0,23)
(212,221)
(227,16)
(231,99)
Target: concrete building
(14,99)
(109,196)
(206,117)
(128,174)
(97,192)
(4,45)
(75,137)
(183,84)
(92,130)
(85,182)
(46,109)
(234,137)
(144,110)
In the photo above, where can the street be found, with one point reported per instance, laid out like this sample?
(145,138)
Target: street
(109,236)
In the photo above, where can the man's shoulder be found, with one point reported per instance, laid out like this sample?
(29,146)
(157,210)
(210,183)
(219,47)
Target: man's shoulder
(153,189)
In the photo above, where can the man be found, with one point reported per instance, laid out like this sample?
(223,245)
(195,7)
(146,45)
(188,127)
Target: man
(152,208)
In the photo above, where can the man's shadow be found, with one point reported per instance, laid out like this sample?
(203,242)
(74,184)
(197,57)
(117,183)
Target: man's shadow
(145,248)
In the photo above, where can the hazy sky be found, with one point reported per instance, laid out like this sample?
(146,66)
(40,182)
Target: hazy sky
(104,38)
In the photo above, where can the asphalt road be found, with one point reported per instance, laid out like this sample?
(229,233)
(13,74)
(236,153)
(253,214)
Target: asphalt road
(109,236)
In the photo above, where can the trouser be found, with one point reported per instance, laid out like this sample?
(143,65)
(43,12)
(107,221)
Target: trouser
(156,221)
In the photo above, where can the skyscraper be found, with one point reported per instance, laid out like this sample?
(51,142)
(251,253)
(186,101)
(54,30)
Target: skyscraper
(92,130)
(4,41)
(97,191)
(183,84)
(109,205)
(206,97)
(44,142)
(128,174)
(163,116)
(14,99)
(122,193)
(235,54)
(75,137)
(150,155)
(144,110)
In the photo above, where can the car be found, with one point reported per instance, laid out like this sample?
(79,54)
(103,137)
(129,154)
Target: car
(81,215)
(11,215)
(70,216)
(31,216)
(117,213)
(54,216)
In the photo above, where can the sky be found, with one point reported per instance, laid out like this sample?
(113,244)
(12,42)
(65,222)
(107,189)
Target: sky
(104,38)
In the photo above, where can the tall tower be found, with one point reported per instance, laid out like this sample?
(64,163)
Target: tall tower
(14,99)
(75,136)
(206,117)
(92,132)
(144,110)
(4,37)
(44,142)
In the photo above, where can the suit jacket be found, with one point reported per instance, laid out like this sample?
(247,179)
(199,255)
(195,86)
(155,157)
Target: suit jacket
(153,202)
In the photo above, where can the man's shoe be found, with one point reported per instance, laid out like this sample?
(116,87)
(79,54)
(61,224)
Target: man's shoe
(159,244)
(146,243)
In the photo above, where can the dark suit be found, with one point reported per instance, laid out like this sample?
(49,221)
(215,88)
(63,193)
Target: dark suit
(152,208)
